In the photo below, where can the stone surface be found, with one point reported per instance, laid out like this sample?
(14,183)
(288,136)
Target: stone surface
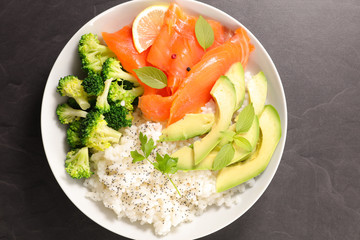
(316,48)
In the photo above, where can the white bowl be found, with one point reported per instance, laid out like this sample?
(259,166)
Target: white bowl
(53,133)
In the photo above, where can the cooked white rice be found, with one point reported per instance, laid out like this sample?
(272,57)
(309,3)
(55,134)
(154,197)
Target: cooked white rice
(140,193)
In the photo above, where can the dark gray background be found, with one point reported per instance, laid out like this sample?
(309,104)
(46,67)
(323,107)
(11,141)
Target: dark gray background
(316,48)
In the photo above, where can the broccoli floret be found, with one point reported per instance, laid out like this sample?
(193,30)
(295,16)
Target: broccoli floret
(93,84)
(122,97)
(127,85)
(102,103)
(71,86)
(72,103)
(92,53)
(112,69)
(73,134)
(67,114)
(96,134)
(118,117)
(77,163)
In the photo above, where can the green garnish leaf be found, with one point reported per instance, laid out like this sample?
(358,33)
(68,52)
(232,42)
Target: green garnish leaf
(224,157)
(204,33)
(228,135)
(245,119)
(149,146)
(166,164)
(143,140)
(243,143)
(137,157)
(151,76)
(146,146)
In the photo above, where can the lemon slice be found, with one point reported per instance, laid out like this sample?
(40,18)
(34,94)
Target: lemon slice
(146,26)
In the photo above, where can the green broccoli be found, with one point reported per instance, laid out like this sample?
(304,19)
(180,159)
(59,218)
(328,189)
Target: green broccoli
(92,53)
(71,86)
(118,117)
(112,69)
(126,84)
(122,97)
(96,134)
(102,103)
(67,114)
(72,103)
(77,163)
(73,134)
(93,84)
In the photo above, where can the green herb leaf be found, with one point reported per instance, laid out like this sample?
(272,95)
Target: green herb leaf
(152,77)
(245,119)
(149,146)
(166,164)
(204,33)
(228,135)
(137,157)
(143,140)
(224,157)
(243,143)
(146,146)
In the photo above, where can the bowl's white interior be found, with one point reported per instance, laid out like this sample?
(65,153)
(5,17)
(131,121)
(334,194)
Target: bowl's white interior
(54,134)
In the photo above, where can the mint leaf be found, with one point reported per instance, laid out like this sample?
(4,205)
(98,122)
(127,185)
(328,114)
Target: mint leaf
(224,157)
(152,77)
(245,119)
(243,143)
(137,157)
(228,135)
(204,33)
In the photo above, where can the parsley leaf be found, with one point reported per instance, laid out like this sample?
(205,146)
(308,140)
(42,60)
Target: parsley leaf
(166,165)
(146,146)
(137,157)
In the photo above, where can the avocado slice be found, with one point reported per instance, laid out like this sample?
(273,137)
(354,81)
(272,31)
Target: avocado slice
(190,126)
(232,176)
(237,77)
(185,157)
(257,89)
(224,95)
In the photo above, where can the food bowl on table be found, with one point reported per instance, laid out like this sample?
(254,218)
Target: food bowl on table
(214,218)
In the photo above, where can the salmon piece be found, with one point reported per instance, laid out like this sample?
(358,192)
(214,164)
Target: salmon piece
(176,48)
(121,43)
(161,51)
(194,92)
(189,52)
(155,107)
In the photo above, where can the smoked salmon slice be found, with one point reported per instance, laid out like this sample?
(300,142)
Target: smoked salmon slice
(191,71)
(195,90)
(176,48)
(121,43)
(155,107)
